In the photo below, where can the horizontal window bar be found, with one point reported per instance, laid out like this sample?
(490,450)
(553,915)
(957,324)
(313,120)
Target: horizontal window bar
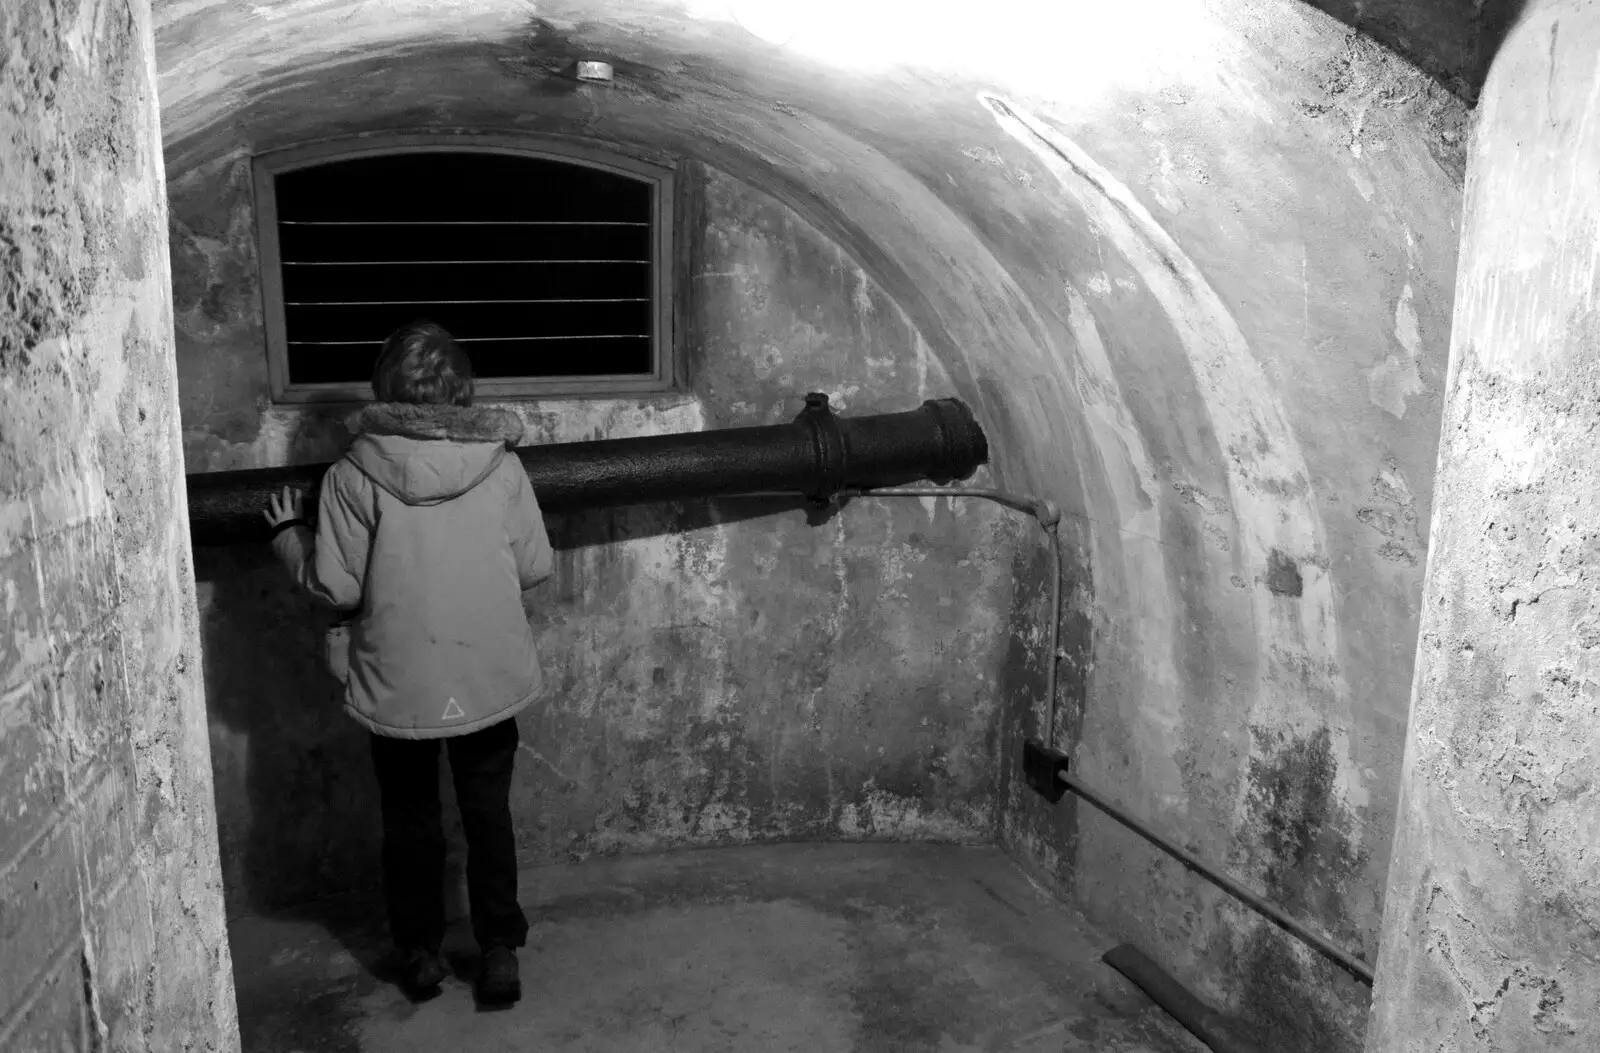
(460,223)
(429,303)
(478,339)
(433,263)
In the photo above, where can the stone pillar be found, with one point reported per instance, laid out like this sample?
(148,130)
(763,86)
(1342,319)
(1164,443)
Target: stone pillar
(1491,936)
(112,935)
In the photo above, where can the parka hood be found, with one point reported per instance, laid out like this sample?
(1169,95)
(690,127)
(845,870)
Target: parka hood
(428,454)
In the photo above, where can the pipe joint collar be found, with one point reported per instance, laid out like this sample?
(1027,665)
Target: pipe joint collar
(961,445)
(828,445)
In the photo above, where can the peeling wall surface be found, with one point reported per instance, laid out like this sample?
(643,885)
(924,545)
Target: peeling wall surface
(1493,911)
(1450,40)
(1191,266)
(112,933)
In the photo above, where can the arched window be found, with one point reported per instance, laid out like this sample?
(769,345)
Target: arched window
(551,265)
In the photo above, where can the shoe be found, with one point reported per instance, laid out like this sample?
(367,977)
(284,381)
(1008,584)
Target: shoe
(498,979)
(421,972)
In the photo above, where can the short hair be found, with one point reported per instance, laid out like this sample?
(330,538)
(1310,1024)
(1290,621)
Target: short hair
(421,363)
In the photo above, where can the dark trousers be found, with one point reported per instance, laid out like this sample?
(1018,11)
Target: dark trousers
(413,836)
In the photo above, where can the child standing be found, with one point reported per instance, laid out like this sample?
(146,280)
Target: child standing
(429,533)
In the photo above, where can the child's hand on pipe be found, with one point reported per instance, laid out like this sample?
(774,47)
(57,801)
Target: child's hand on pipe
(282,508)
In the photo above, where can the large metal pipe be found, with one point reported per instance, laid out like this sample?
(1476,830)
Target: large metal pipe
(817,455)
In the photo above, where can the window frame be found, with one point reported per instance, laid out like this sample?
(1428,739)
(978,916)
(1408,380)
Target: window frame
(266,166)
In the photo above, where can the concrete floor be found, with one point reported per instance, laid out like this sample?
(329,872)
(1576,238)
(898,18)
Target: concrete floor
(866,948)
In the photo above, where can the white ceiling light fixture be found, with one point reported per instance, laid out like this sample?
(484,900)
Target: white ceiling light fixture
(774,21)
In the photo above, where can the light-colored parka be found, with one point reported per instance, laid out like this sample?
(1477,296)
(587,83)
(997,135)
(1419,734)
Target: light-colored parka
(428,530)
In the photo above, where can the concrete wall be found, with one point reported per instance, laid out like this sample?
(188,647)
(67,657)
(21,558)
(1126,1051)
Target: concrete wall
(1492,931)
(111,921)
(1190,264)
(1278,243)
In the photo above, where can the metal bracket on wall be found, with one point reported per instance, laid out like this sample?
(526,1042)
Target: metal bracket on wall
(1041,767)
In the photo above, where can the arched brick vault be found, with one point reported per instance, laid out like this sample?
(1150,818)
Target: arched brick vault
(1191,265)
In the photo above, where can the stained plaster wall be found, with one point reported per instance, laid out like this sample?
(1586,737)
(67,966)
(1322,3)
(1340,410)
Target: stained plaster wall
(1252,626)
(111,913)
(1190,264)
(1493,914)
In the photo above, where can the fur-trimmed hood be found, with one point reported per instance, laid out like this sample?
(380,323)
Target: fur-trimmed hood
(452,423)
(429,454)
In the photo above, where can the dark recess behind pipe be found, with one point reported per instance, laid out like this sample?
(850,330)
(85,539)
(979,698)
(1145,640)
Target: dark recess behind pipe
(1205,1023)
(817,455)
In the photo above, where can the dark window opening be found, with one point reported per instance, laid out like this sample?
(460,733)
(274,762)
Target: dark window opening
(543,270)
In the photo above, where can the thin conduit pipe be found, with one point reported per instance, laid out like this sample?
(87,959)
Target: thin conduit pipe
(1355,966)
(1049,518)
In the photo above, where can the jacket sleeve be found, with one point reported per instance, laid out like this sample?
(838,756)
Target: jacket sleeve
(333,567)
(529,542)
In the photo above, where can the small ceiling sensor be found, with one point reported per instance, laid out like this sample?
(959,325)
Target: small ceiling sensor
(594,71)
